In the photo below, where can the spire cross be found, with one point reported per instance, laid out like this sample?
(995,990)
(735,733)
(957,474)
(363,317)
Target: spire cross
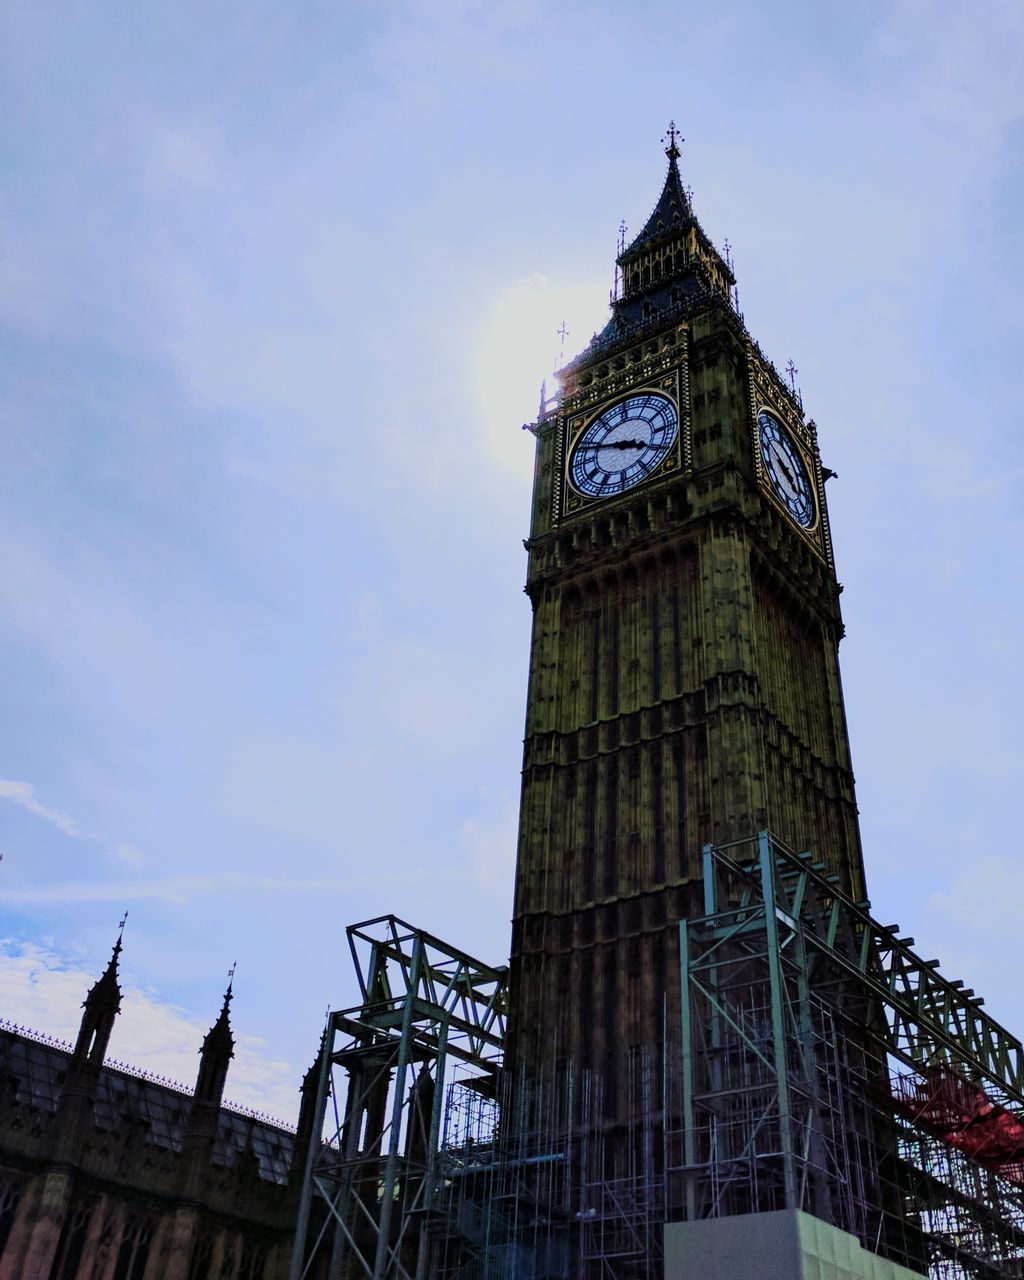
(728,251)
(120,924)
(622,236)
(231,974)
(672,151)
(792,370)
(562,332)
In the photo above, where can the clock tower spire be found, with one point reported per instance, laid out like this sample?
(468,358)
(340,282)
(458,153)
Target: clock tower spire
(671,252)
(684,680)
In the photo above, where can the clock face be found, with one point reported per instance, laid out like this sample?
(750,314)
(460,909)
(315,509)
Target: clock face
(623,446)
(786,469)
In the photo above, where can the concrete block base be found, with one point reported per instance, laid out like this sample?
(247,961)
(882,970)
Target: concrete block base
(784,1245)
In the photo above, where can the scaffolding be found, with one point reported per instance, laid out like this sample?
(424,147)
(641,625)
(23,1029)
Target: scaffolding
(526,1185)
(818,1064)
(370,1190)
(827,1067)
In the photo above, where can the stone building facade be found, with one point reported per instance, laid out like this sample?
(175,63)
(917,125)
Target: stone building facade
(109,1175)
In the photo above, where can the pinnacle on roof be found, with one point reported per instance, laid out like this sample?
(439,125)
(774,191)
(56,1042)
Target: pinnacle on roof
(312,1077)
(106,990)
(673,208)
(219,1038)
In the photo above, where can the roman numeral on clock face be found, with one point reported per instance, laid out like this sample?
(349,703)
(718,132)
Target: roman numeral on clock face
(623,445)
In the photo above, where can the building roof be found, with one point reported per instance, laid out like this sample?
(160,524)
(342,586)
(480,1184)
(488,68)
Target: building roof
(37,1071)
(671,213)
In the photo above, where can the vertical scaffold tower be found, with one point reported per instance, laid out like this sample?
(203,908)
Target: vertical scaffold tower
(828,1068)
(371,1189)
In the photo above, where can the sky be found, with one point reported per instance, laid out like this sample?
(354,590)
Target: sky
(278,285)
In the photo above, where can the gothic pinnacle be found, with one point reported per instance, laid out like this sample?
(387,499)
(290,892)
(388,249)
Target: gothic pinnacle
(672,151)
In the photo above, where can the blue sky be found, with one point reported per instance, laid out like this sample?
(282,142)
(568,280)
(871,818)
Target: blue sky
(278,283)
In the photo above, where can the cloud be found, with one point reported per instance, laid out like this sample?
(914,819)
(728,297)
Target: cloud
(180,889)
(124,854)
(120,852)
(23,793)
(43,989)
(38,990)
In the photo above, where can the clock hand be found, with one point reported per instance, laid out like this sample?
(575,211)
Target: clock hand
(619,444)
(781,461)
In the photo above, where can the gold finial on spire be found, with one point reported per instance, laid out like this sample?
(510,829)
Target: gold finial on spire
(672,151)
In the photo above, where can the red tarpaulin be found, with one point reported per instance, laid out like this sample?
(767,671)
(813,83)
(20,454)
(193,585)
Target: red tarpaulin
(946,1105)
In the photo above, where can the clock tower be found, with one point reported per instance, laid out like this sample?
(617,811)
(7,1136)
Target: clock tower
(684,680)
